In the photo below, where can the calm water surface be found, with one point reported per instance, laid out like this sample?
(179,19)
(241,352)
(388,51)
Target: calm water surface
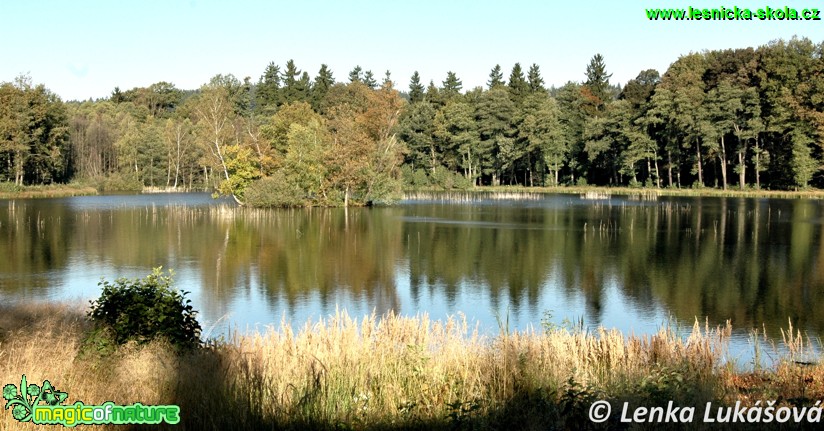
(620,263)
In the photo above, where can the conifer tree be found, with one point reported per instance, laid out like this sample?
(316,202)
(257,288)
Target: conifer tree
(356,75)
(496,77)
(416,89)
(323,82)
(536,82)
(598,81)
(369,80)
(452,85)
(268,88)
(518,86)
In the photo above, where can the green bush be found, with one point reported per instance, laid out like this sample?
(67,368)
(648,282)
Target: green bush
(273,192)
(145,309)
(118,182)
(419,178)
(449,180)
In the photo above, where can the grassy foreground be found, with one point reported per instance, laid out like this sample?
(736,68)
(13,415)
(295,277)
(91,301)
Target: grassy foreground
(389,373)
(11,191)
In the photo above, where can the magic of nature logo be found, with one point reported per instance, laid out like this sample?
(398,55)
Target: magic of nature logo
(44,405)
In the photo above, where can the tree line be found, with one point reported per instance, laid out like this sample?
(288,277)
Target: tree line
(742,118)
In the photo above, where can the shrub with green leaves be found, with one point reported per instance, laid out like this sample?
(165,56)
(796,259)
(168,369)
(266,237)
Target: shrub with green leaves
(145,309)
(276,191)
(118,182)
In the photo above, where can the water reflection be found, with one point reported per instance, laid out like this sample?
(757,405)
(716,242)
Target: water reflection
(616,262)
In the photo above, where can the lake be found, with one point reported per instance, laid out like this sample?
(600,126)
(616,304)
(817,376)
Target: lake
(504,261)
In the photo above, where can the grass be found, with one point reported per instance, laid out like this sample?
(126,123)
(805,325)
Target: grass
(12,191)
(388,373)
(646,192)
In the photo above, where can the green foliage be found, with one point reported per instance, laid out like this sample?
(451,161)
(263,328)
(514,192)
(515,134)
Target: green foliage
(323,82)
(240,163)
(803,164)
(575,402)
(416,89)
(144,309)
(33,133)
(463,413)
(451,85)
(496,77)
(576,326)
(535,81)
(598,81)
(268,88)
(295,85)
(10,187)
(448,180)
(275,191)
(369,80)
(118,182)
(754,112)
(356,75)
(518,86)
(414,178)
(416,129)
(664,384)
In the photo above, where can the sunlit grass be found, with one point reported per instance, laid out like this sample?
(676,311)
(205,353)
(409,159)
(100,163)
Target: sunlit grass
(389,372)
(601,192)
(11,191)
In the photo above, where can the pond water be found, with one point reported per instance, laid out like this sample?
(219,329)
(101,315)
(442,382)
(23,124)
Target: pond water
(516,261)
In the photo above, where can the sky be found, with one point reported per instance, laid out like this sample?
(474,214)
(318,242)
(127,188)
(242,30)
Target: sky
(84,49)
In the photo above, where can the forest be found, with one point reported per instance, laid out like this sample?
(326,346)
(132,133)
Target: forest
(739,118)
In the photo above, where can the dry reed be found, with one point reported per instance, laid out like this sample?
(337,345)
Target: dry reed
(388,372)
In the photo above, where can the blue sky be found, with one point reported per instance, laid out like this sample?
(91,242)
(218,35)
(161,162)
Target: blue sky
(81,49)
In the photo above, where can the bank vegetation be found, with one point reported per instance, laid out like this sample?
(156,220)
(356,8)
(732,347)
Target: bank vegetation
(395,372)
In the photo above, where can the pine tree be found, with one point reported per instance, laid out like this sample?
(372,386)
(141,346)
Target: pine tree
(536,83)
(369,80)
(415,88)
(498,149)
(304,87)
(598,81)
(452,85)
(387,80)
(416,130)
(433,95)
(496,77)
(268,88)
(117,96)
(356,75)
(323,82)
(293,89)
(518,86)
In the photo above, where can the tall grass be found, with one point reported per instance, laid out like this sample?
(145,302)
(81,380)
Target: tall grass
(389,372)
(603,192)
(11,191)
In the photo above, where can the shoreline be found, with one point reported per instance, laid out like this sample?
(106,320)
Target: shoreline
(50,191)
(70,190)
(589,192)
(648,193)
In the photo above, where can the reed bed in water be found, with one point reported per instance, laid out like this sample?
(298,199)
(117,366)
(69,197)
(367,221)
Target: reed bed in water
(633,193)
(11,191)
(389,372)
